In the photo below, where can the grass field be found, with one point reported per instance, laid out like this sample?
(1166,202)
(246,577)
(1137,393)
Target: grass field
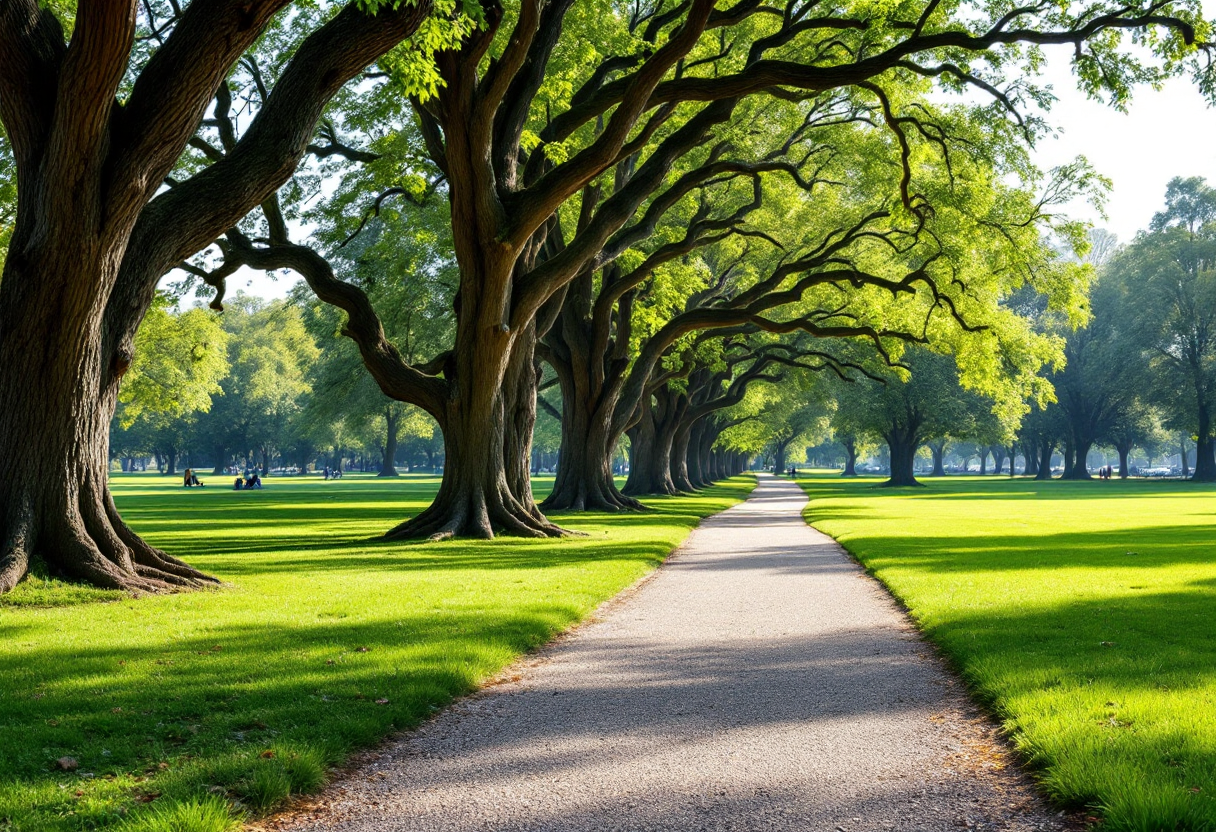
(1084,614)
(323,643)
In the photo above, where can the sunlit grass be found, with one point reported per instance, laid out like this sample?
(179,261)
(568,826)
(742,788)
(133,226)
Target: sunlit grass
(1083,613)
(323,642)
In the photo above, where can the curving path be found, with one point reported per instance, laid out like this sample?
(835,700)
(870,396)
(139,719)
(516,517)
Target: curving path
(757,681)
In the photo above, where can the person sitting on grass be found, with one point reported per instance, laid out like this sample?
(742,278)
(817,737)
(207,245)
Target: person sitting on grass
(253,481)
(239,484)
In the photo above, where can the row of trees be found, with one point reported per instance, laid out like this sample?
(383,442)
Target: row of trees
(253,388)
(1140,372)
(653,205)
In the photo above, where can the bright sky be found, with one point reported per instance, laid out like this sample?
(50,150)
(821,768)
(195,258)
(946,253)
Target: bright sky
(1164,134)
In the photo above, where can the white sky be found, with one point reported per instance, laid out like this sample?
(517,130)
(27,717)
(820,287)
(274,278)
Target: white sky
(1164,134)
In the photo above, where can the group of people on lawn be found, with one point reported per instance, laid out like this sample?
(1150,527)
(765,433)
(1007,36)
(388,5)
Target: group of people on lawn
(250,480)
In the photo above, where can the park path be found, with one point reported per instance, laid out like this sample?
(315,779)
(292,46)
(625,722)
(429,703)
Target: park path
(759,680)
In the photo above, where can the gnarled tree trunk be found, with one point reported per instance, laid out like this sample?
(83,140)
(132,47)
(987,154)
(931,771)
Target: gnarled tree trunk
(487,435)
(55,502)
(650,448)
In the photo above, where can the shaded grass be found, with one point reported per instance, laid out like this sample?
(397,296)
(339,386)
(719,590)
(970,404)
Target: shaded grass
(1083,614)
(323,643)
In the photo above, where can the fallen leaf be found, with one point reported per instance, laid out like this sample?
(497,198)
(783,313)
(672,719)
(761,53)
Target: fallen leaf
(67,763)
(381,701)
(268,753)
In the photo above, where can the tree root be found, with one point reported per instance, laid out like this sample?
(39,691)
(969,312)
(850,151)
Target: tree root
(601,499)
(94,546)
(474,517)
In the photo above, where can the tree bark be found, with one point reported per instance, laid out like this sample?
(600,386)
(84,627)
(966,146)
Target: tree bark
(1043,468)
(938,449)
(487,432)
(584,480)
(388,466)
(679,458)
(54,435)
(1205,450)
(850,458)
(903,452)
(650,448)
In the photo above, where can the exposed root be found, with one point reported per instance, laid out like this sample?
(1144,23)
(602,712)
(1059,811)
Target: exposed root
(473,518)
(15,551)
(599,499)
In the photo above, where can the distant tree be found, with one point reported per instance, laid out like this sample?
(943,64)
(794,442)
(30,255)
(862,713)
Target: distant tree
(180,360)
(1168,281)
(269,353)
(908,412)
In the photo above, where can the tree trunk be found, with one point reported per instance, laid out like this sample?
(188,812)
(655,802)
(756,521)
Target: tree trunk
(983,461)
(487,437)
(998,459)
(1124,451)
(850,458)
(1069,458)
(55,502)
(388,467)
(584,480)
(1079,470)
(170,457)
(694,457)
(1043,469)
(679,458)
(1030,459)
(650,449)
(938,449)
(1205,452)
(903,453)
(779,458)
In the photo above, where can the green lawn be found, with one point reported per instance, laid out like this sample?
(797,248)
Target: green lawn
(1084,614)
(322,643)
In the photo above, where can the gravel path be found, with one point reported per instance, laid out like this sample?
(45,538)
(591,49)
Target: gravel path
(758,681)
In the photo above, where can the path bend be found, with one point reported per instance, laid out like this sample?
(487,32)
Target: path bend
(759,680)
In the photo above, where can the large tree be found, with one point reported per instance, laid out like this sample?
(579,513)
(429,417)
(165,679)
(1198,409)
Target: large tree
(1167,278)
(926,401)
(556,125)
(98,120)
